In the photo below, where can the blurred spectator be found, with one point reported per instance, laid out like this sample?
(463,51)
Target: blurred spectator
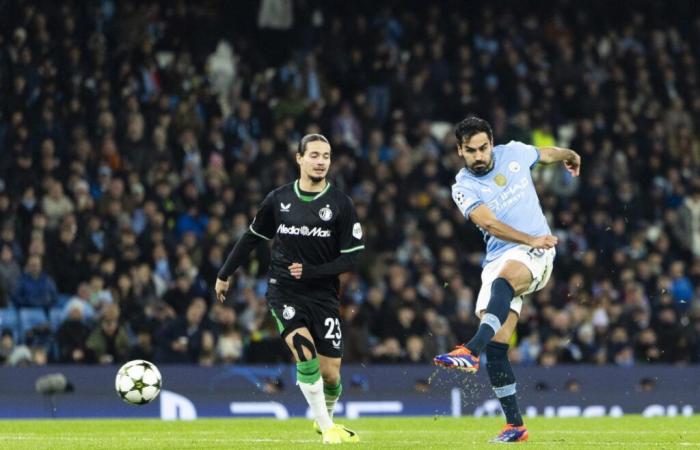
(108,342)
(690,216)
(82,302)
(72,337)
(21,356)
(143,348)
(681,287)
(56,203)
(7,345)
(185,339)
(229,347)
(9,274)
(35,287)
(415,350)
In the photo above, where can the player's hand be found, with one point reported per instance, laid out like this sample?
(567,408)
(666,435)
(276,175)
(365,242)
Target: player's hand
(544,242)
(295,270)
(573,165)
(221,288)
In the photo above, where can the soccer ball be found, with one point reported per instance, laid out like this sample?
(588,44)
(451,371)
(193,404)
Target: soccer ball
(138,382)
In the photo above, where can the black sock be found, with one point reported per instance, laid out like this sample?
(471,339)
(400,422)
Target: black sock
(495,316)
(503,381)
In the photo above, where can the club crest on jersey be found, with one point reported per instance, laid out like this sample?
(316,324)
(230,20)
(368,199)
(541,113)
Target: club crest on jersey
(288,312)
(357,230)
(514,166)
(500,180)
(284,207)
(325,213)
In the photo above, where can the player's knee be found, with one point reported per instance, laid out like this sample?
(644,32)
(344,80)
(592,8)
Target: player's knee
(331,376)
(303,347)
(499,303)
(503,286)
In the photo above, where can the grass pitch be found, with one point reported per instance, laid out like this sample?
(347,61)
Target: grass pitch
(375,433)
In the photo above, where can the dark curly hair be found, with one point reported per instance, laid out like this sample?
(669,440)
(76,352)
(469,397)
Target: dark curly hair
(470,126)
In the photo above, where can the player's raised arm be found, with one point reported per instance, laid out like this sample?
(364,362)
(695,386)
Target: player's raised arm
(484,218)
(571,159)
(263,227)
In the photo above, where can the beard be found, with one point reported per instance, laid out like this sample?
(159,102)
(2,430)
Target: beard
(315,179)
(480,170)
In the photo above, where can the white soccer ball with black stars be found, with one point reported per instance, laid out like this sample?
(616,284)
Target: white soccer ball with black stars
(138,382)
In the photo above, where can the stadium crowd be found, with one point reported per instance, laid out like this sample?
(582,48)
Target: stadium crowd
(137,139)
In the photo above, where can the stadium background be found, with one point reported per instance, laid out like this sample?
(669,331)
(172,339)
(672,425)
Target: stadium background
(137,138)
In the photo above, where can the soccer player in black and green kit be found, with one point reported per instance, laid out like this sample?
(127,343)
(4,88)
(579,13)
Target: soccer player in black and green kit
(317,236)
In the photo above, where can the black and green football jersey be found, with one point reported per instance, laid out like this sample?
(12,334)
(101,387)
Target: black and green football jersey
(308,229)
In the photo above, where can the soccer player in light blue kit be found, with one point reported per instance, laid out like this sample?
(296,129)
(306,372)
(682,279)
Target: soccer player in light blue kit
(495,191)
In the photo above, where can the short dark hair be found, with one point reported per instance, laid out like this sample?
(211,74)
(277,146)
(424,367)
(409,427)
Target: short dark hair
(310,138)
(470,126)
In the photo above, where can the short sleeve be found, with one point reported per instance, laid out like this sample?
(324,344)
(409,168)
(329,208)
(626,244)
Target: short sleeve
(527,154)
(465,199)
(263,224)
(350,235)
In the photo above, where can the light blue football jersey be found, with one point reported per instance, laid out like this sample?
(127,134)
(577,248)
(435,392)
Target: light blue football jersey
(508,191)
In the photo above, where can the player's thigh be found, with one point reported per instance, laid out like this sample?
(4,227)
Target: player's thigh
(293,322)
(330,369)
(507,329)
(488,275)
(324,321)
(517,274)
(300,343)
(527,269)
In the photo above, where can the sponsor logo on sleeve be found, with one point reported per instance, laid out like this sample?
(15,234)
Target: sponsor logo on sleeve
(357,230)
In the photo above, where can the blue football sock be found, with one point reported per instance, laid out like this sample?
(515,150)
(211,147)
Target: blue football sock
(496,314)
(503,381)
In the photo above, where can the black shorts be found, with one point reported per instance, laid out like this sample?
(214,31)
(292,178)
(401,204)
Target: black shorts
(293,309)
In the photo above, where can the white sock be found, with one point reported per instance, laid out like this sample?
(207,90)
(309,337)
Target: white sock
(330,406)
(315,398)
(332,399)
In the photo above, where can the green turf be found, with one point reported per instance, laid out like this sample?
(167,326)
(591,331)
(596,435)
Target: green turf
(376,433)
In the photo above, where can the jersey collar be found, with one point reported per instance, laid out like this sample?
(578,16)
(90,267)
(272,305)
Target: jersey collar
(309,198)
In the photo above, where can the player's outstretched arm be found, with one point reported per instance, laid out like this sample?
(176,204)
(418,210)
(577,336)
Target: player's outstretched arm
(571,159)
(263,226)
(484,218)
(238,255)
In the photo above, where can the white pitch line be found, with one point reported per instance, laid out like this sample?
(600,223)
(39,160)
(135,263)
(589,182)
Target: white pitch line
(137,440)
(542,432)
